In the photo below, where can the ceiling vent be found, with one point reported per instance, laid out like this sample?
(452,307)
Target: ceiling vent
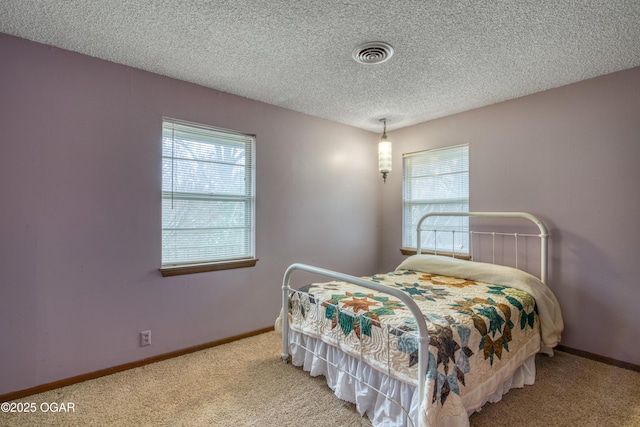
(373,53)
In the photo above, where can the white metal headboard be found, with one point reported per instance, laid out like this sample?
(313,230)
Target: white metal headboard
(543,235)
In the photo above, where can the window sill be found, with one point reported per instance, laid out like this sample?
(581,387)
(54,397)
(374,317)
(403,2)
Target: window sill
(210,266)
(412,251)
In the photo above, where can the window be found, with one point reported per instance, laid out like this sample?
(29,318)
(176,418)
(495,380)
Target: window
(208,199)
(436,181)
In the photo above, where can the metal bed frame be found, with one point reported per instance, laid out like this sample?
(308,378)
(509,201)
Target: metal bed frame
(543,235)
(423,335)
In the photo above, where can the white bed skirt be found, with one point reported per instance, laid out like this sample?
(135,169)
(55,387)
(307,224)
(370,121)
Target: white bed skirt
(382,411)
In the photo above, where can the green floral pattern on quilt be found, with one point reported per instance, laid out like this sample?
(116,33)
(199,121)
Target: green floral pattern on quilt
(472,325)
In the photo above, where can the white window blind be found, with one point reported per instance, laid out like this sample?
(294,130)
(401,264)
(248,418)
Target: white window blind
(208,200)
(436,181)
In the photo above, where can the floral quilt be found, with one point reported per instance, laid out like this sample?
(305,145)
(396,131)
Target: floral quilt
(475,329)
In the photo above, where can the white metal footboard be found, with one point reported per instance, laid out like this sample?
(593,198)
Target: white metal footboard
(423,335)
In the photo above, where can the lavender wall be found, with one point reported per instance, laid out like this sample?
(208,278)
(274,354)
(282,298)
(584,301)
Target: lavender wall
(571,156)
(80,168)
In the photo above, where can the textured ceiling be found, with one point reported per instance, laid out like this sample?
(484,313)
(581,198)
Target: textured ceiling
(450,56)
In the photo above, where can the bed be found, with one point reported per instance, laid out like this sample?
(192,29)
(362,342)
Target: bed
(434,340)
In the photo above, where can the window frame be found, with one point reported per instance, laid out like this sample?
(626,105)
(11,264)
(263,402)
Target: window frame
(247,259)
(461,224)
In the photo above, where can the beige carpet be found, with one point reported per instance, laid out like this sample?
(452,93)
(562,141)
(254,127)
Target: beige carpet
(244,383)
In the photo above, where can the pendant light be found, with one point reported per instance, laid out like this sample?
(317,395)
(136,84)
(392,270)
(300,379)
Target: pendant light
(384,153)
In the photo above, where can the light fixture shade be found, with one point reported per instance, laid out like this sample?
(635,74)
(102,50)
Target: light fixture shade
(384,156)
(384,153)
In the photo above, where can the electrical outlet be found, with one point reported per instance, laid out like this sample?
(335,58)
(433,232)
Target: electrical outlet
(145,338)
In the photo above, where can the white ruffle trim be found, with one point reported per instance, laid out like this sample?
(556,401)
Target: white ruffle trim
(382,411)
